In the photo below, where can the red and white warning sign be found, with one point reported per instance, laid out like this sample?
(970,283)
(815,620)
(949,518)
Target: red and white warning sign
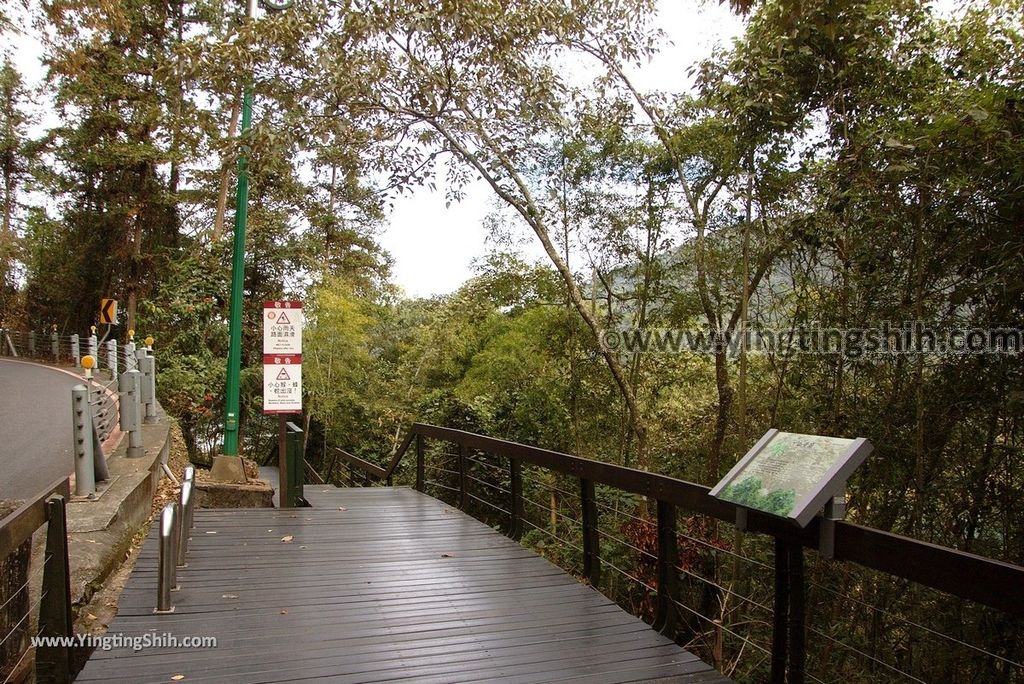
(282,383)
(282,327)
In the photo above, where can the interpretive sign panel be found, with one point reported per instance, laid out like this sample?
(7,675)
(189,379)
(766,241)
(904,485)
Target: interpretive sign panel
(792,475)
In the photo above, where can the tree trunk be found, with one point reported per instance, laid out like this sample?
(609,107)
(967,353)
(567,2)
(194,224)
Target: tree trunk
(225,174)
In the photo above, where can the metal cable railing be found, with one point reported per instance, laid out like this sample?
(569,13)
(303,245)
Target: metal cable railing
(698,579)
(118,391)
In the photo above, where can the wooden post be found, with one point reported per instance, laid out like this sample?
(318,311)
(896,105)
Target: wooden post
(420,465)
(591,543)
(797,650)
(462,476)
(665,618)
(516,494)
(781,617)
(53,662)
(284,495)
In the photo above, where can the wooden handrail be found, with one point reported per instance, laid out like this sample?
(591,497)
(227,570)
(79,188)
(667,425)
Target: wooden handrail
(371,469)
(317,479)
(991,582)
(19,526)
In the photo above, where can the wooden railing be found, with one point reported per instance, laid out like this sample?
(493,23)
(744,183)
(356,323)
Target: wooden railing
(975,578)
(52,663)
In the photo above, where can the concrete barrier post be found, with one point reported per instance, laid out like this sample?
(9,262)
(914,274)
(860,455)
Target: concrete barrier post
(147,366)
(32,343)
(128,387)
(129,357)
(55,345)
(112,357)
(76,352)
(81,416)
(94,344)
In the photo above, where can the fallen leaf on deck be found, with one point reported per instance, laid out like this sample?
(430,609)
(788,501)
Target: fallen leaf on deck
(342,508)
(446,555)
(229,596)
(90,617)
(177,677)
(287,538)
(284,611)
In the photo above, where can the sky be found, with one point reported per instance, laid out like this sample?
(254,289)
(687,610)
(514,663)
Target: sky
(434,246)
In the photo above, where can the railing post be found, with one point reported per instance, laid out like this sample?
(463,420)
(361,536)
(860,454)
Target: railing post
(93,343)
(32,343)
(165,576)
(780,618)
(53,662)
(420,464)
(591,543)
(516,494)
(462,476)
(82,436)
(55,345)
(665,619)
(130,410)
(76,352)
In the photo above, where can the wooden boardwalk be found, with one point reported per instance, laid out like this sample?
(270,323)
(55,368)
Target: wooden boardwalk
(375,585)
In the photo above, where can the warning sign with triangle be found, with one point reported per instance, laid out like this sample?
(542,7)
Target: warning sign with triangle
(283,375)
(283,319)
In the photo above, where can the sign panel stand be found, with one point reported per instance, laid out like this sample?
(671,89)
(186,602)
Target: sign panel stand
(793,476)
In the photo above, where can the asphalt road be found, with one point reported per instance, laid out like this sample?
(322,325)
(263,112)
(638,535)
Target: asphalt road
(35,427)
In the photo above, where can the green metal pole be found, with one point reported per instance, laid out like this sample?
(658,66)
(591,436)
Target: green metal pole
(237,283)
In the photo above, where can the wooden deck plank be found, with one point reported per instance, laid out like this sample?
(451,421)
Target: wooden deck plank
(377,585)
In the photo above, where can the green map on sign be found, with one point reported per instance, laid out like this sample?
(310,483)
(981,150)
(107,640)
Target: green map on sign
(789,468)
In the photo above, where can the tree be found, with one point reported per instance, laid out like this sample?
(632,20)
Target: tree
(16,153)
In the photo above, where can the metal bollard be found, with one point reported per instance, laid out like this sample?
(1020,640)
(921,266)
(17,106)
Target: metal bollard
(81,417)
(190,522)
(147,365)
(55,345)
(128,387)
(166,578)
(184,529)
(76,353)
(112,357)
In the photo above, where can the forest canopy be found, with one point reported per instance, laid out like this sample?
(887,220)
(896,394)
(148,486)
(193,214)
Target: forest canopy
(843,165)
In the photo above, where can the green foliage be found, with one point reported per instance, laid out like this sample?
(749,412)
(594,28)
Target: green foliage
(844,163)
